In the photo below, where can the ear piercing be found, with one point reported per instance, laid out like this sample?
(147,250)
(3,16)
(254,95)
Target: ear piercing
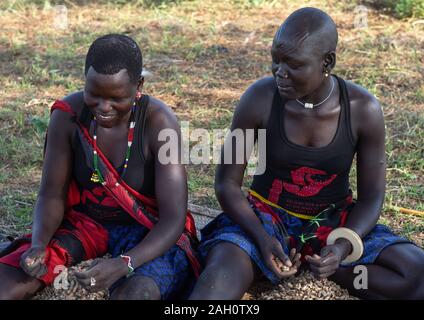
(326,72)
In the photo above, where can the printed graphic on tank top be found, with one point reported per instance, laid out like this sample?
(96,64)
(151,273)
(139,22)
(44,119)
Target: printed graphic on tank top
(303,179)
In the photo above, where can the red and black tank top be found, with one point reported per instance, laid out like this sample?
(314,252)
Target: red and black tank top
(302,179)
(139,175)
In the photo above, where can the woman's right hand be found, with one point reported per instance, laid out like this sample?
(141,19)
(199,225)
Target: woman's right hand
(32,261)
(276,260)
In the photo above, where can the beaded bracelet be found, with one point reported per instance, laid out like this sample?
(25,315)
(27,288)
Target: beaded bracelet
(127,260)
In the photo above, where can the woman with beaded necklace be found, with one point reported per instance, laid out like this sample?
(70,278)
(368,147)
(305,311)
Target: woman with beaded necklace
(105,190)
(300,210)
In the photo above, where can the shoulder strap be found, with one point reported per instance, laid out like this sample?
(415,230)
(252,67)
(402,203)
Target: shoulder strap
(346,108)
(277,103)
(144,104)
(61,105)
(86,116)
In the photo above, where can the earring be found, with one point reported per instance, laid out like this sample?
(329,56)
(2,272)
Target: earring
(326,72)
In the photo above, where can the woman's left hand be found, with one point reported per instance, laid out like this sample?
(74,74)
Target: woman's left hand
(327,263)
(102,274)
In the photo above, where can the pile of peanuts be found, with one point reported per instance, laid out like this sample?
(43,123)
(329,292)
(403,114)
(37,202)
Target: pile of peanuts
(302,287)
(73,290)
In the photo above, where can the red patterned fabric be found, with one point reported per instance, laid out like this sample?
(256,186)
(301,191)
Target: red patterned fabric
(307,236)
(129,199)
(92,236)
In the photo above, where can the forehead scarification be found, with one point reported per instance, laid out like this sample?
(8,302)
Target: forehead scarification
(288,44)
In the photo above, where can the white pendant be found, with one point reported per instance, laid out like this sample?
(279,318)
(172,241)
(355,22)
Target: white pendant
(309,105)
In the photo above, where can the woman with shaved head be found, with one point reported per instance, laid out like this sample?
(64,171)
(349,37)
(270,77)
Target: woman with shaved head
(300,210)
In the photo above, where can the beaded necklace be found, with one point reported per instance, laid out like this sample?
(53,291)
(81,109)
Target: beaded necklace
(97,175)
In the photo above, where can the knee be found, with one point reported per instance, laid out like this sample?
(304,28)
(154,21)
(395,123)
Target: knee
(410,269)
(11,293)
(225,269)
(211,284)
(414,279)
(221,281)
(10,290)
(212,275)
(6,295)
(137,288)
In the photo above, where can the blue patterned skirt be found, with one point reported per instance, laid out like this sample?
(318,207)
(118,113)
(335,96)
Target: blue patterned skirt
(288,227)
(171,272)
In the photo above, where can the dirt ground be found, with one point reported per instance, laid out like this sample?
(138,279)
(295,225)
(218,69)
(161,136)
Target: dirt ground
(200,57)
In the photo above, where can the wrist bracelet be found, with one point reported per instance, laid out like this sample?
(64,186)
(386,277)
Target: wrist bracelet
(127,260)
(354,239)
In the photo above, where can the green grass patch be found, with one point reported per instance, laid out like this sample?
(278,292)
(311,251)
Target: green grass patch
(202,56)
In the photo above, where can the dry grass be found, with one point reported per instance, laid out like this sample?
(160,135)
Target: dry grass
(202,55)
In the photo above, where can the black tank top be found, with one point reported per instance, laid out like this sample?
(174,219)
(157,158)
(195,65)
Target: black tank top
(304,179)
(139,176)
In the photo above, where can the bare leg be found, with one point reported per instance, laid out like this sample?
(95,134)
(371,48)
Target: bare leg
(396,274)
(228,274)
(137,288)
(16,284)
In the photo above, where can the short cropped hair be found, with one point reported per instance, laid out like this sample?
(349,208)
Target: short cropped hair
(111,53)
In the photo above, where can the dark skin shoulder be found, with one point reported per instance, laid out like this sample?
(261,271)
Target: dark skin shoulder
(226,260)
(168,177)
(320,127)
(171,195)
(362,105)
(170,188)
(303,54)
(252,112)
(255,104)
(368,130)
(76,101)
(171,182)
